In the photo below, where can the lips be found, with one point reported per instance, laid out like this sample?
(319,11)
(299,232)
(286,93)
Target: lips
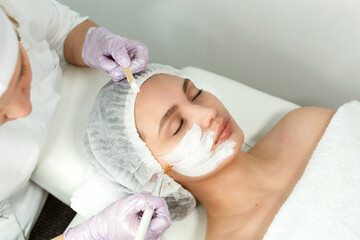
(223,131)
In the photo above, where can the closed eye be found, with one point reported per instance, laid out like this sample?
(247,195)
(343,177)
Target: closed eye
(181,123)
(182,120)
(199,92)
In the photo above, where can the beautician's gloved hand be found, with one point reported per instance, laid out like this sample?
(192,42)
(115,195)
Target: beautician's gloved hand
(120,220)
(108,51)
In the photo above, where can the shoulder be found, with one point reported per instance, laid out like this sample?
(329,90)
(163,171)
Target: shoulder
(299,130)
(309,113)
(303,127)
(306,118)
(305,121)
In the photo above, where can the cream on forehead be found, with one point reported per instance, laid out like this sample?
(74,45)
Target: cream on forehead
(193,156)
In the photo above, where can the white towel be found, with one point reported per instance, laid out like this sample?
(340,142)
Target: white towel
(325,203)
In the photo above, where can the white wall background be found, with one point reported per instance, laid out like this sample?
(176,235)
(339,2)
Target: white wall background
(307,51)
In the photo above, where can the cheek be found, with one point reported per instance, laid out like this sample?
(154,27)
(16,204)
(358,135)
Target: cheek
(194,157)
(158,151)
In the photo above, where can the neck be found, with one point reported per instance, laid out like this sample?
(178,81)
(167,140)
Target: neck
(244,183)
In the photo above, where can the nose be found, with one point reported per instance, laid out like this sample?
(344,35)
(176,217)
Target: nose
(202,116)
(18,107)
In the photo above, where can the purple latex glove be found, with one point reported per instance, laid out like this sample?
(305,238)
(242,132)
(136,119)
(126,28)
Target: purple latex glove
(108,51)
(120,220)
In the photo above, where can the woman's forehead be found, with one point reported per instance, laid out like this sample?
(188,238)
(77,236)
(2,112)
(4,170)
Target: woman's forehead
(156,96)
(160,86)
(163,79)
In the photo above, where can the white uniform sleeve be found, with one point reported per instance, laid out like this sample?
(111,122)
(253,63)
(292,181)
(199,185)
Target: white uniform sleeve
(60,21)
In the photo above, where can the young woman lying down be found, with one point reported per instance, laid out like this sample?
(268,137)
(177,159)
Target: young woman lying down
(294,183)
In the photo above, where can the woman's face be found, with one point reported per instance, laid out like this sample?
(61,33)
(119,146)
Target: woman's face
(168,106)
(15,102)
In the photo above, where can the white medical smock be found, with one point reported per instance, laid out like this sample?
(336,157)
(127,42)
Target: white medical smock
(44,26)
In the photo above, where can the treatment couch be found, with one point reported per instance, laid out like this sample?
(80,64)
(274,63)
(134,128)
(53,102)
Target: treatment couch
(63,167)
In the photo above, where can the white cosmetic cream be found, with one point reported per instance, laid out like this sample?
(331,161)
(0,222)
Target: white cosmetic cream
(193,156)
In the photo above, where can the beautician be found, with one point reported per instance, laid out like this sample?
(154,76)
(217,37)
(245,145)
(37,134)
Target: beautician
(35,36)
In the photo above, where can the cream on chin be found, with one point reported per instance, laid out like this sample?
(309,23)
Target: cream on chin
(193,156)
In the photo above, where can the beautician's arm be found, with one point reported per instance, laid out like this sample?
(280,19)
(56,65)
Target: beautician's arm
(75,41)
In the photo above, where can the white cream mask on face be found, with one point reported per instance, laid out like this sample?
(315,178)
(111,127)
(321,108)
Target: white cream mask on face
(193,156)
